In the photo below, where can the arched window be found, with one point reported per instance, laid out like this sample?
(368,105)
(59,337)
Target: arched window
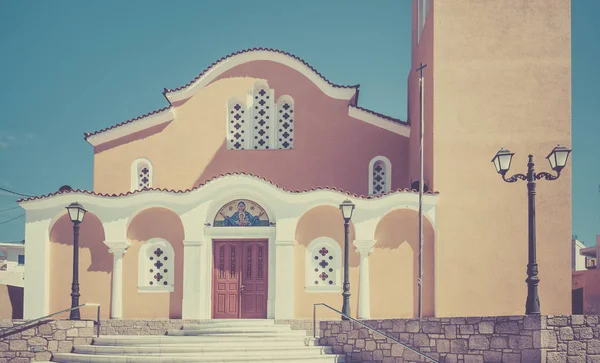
(156,266)
(237,125)
(285,122)
(142,174)
(262,117)
(323,265)
(380,175)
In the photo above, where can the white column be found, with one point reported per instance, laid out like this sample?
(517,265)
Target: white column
(285,232)
(364,247)
(36,299)
(193,278)
(117,248)
(284,279)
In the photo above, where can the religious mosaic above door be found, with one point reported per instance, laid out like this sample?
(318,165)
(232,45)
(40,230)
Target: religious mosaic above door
(241,213)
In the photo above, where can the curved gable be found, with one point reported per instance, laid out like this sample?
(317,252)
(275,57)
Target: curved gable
(259,54)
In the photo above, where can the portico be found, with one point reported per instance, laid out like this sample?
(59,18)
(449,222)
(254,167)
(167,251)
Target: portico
(196,212)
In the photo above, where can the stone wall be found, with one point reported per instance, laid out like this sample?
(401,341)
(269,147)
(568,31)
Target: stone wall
(39,341)
(469,340)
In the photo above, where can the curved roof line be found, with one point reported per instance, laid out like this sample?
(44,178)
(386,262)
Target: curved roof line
(253,54)
(189,190)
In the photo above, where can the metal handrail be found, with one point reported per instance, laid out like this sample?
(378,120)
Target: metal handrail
(4,333)
(365,326)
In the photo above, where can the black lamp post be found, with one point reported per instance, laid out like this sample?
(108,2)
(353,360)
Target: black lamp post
(347,208)
(76,213)
(558,159)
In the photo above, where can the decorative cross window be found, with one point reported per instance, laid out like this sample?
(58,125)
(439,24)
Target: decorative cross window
(156,266)
(263,124)
(237,125)
(285,123)
(380,178)
(141,174)
(323,265)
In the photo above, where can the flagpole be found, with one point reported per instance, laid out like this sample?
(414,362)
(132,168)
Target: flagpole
(421,184)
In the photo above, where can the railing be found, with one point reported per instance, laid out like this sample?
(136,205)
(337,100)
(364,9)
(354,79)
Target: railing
(365,326)
(6,332)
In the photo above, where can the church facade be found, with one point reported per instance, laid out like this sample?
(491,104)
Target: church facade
(225,204)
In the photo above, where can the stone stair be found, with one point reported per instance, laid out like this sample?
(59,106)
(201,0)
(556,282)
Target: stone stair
(207,342)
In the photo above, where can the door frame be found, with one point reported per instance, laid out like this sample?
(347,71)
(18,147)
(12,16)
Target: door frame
(241,234)
(240,270)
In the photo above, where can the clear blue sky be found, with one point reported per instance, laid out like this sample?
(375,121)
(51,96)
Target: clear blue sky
(67,67)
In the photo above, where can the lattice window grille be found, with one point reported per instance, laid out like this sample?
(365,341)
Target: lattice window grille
(158,272)
(379,177)
(323,265)
(144,177)
(238,137)
(156,266)
(285,123)
(262,117)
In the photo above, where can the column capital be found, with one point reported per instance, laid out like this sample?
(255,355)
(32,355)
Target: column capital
(117,246)
(284,243)
(364,246)
(190,243)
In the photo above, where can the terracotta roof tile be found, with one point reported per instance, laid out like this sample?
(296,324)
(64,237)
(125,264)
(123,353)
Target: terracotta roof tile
(389,118)
(210,180)
(88,134)
(167,90)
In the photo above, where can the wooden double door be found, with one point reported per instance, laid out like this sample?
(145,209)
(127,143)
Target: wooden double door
(240,279)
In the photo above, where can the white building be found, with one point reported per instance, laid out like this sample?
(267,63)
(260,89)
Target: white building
(12,263)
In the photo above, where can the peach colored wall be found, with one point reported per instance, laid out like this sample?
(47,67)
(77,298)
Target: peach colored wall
(590,282)
(193,146)
(322,221)
(422,52)
(152,223)
(394,266)
(502,79)
(5,304)
(95,267)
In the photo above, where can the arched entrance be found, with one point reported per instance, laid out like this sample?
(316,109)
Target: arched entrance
(240,260)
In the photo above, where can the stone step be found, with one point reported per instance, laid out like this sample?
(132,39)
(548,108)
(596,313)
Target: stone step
(203,350)
(164,358)
(141,340)
(237,329)
(232,323)
(238,332)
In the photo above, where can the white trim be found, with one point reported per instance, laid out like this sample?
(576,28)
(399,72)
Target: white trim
(364,248)
(134,173)
(117,248)
(36,289)
(140,124)
(283,99)
(259,55)
(388,173)
(382,122)
(336,251)
(143,265)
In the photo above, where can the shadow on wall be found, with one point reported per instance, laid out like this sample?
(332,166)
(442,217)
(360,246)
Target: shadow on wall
(95,266)
(91,236)
(153,223)
(394,266)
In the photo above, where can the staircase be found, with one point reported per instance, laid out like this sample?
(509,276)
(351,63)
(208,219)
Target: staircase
(208,341)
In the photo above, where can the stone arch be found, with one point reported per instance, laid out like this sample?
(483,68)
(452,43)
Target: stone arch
(395,260)
(165,224)
(95,264)
(321,221)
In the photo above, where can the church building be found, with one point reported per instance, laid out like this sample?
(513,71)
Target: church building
(226,203)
